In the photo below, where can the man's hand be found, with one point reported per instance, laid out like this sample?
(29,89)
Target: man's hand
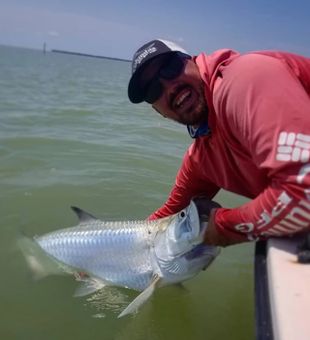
(206,210)
(212,236)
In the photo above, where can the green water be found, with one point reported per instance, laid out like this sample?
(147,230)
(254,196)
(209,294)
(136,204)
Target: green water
(69,136)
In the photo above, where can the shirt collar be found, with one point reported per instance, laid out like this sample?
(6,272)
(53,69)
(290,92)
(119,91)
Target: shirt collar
(198,131)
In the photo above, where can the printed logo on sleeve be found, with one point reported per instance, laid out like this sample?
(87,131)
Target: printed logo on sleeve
(293,147)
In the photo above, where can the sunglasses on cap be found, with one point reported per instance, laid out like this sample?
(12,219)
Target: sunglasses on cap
(171,68)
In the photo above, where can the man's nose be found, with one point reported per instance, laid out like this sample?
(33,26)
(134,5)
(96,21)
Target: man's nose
(167,85)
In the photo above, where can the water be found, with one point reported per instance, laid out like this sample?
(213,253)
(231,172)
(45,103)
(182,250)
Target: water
(69,136)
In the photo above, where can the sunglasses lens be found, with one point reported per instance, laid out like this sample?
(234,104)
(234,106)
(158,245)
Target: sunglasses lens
(172,69)
(153,91)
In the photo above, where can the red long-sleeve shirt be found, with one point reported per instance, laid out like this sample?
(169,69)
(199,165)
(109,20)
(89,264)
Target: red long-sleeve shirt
(259,146)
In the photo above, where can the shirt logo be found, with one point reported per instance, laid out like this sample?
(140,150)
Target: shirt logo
(293,147)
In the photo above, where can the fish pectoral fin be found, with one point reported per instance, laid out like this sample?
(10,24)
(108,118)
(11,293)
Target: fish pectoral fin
(88,286)
(83,215)
(141,298)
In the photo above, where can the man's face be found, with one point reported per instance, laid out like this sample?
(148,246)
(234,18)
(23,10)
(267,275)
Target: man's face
(182,97)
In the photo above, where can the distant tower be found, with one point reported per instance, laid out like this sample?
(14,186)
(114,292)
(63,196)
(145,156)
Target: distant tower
(44,47)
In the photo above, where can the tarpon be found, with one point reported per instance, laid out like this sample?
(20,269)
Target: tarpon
(140,255)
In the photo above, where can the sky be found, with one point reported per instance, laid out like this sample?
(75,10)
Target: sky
(117,28)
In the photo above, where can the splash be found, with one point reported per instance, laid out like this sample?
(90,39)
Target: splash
(108,299)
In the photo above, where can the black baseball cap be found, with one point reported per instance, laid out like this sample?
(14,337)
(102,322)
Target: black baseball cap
(141,58)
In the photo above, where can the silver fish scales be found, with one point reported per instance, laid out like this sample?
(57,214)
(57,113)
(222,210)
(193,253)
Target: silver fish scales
(117,252)
(140,255)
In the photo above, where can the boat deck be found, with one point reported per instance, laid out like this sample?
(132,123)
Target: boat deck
(289,290)
(282,291)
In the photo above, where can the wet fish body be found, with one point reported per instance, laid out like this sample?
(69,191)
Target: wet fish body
(140,255)
(116,252)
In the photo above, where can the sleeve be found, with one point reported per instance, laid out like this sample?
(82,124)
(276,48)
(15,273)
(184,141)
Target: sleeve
(269,113)
(188,184)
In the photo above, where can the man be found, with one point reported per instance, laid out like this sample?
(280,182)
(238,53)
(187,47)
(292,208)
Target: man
(249,116)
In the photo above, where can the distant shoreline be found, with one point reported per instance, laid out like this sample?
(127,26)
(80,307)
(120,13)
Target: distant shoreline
(66,52)
(89,55)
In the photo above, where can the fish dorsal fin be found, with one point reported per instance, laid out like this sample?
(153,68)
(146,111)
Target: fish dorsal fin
(141,298)
(83,215)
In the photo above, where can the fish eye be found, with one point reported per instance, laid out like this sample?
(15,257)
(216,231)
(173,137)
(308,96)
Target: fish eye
(184,226)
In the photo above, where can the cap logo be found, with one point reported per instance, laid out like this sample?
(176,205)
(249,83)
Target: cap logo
(142,55)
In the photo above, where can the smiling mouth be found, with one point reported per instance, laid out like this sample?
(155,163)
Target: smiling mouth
(181,97)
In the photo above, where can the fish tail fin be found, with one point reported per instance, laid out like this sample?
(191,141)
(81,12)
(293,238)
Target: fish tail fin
(40,264)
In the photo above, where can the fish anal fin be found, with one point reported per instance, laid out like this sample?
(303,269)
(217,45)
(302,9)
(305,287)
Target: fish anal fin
(141,298)
(83,216)
(88,286)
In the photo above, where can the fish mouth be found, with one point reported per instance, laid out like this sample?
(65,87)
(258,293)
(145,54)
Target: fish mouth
(203,253)
(199,251)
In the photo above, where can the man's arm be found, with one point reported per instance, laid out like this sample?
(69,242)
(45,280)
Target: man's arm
(188,184)
(269,111)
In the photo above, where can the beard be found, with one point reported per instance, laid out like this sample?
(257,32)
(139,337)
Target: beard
(197,114)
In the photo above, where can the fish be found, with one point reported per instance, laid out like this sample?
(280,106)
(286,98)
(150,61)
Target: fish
(139,255)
